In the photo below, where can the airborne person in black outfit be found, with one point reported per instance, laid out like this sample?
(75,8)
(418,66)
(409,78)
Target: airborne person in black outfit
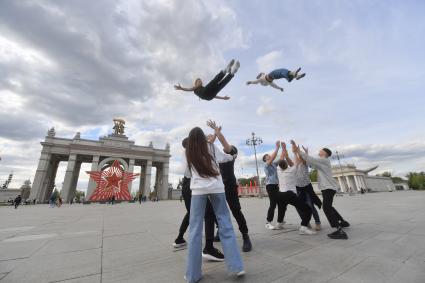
(231,186)
(210,91)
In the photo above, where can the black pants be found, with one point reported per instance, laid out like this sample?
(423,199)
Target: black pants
(273,192)
(310,191)
(303,209)
(209,215)
(232,198)
(217,84)
(331,214)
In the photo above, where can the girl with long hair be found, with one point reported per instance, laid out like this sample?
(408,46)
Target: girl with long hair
(202,159)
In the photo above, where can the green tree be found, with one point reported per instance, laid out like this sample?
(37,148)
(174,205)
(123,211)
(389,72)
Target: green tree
(389,175)
(313,175)
(416,180)
(79,195)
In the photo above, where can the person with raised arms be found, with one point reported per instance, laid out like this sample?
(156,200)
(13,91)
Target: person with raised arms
(201,159)
(209,252)
(305,189)
(328,186)
(227,170)
(288,190)
(272,188)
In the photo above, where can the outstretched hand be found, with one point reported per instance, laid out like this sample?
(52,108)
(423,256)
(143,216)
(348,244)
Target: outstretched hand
(277,144)
(283,144)
(226,97)
(305,149)
(177,87)
(281,89)
(295,148)
(213,125)
(248,82)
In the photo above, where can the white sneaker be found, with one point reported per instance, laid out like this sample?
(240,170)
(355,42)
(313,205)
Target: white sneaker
(269,226)
(305,231)
(229,66)
(279,226)
(235,68)
(240,273)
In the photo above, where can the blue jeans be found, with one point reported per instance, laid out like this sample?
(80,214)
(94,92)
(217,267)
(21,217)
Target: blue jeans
(225,229)
(280,74)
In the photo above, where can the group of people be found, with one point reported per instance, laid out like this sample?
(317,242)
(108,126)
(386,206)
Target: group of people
(209,187)
(288,182)
(55,200)
(210,91)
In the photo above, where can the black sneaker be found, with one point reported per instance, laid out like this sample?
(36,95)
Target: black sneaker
(247,246)
(217,238)
(179,242)
(338,234)
(212,255)
(344,224)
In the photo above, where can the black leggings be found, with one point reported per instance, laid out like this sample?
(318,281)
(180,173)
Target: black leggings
(273,192)
(303,209)
(310,191)
(217,84)
(331,214)
(209,215)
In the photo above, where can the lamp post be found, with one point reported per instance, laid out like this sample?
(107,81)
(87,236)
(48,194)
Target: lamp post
(254,142)
(338,157)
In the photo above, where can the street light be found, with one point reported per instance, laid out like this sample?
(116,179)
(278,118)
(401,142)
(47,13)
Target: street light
(338,157)
(254,142)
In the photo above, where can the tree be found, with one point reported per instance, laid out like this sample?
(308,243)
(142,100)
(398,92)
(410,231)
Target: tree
(389,175)
(416,180)
(313,175)
(384,174)
(79,195)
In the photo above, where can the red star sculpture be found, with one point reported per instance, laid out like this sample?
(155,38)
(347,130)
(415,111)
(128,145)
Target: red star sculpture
(111,182)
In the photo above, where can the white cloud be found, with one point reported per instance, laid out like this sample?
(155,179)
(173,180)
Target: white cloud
(269,61)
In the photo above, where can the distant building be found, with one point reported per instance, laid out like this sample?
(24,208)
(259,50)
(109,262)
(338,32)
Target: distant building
(351,179)
(10,193)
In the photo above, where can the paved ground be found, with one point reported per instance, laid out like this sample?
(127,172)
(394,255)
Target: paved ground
(132,243)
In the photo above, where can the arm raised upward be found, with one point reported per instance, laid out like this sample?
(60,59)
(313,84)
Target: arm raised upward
(217,132)
(274,154)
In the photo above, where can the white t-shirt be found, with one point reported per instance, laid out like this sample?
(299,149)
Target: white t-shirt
(211,185)
(287,179)
(263,81)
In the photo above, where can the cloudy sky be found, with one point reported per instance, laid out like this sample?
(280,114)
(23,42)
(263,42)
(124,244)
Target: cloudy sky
(77,64)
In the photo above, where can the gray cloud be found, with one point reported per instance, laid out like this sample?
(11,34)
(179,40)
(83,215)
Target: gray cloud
(106,55)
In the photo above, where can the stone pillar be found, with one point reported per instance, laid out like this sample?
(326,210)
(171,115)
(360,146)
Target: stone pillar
(349,184)
(363,182)
(49,183)
(92,183)
(142,180)
(340,184)
(37,190)
(158,185)
(69,178)
(356,181)
(130,170)
(164,181)
(147,178)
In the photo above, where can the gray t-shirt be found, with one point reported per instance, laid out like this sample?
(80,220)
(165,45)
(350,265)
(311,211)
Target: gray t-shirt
(301,173)
(271,174)
(325,179)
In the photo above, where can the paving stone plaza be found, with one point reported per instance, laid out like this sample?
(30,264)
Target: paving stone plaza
(129,242)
